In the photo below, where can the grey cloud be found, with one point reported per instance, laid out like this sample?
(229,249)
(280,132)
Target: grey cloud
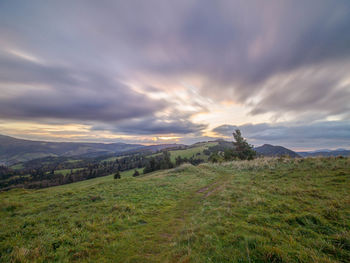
(85,96)
(18,70)
(236,47)
(229,41)
(154,125)
(69,94)
(239,44)
(317,90)
(295,135)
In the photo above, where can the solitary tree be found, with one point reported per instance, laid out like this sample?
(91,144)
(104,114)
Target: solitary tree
(117,175)
(242,149)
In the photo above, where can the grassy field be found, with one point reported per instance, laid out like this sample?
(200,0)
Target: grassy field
(196,151)
(67,171)
(17,166)
(113,158)
(267,210)
(131,172)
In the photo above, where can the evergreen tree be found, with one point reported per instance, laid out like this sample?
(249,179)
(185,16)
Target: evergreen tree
(242,150)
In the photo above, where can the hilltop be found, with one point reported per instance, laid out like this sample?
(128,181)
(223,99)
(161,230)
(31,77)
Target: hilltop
(266,210)
(271,150)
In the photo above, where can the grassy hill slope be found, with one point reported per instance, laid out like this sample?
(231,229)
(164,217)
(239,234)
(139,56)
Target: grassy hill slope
(267,210)
(195,151)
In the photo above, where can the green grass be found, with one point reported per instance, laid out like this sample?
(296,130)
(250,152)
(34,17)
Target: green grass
(73,161)
(192,151)
(110,159)
(131,172)
(17,166)
(267,210)
(67,171)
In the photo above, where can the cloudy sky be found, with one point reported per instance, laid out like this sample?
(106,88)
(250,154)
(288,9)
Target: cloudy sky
(181,71)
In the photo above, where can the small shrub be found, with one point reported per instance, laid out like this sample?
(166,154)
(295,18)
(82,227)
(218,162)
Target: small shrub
(117,175)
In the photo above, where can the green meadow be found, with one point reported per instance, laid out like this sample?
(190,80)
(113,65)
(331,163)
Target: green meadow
(195,151)
(266,210)
(131,172)
(67,171)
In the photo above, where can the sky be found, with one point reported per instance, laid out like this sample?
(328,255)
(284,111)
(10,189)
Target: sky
(180,71)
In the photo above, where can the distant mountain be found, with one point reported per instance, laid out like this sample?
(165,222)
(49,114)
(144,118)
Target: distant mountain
(271,150)
(14,150)
(338,152)
(320,150)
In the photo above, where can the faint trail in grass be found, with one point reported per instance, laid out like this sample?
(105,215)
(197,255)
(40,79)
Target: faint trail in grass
(206,188)
(188,207)
(212,188)
(174,225)
(217,189)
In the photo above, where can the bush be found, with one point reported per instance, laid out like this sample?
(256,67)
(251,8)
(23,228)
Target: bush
(215,158)
(117,175)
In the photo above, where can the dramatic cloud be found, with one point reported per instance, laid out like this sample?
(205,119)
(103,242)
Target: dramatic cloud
(125,66)
(321,134)
(155,126)
(63,93)
(320,91)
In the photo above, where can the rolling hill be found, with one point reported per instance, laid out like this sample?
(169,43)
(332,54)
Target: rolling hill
(14,150)
(339,152)
(271,150)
